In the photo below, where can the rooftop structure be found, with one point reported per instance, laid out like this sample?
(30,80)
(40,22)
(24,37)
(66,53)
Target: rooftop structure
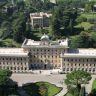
(45,42)
(77,53)
(13,52)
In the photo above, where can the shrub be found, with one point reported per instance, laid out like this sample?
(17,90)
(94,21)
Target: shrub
(81,19)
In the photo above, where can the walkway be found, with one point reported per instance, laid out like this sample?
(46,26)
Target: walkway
(63,91)
(88,87)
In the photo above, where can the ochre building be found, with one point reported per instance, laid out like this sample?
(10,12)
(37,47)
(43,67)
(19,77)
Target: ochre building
(47,55)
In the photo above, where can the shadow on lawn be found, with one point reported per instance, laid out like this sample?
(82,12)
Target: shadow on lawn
(34,89)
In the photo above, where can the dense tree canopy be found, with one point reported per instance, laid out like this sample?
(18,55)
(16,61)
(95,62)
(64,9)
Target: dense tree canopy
(63,21)
(66,15)
(77,78)
(84,40)
(4,76)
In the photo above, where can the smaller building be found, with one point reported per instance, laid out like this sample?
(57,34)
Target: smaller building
(40,19)
(14,59)
(79,59)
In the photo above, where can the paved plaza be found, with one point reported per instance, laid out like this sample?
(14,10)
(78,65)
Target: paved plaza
(57,79)
(27,78)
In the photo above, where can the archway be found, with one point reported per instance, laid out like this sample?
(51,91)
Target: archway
(45,66)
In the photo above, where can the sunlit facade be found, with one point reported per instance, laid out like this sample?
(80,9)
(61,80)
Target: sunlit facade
(47,55)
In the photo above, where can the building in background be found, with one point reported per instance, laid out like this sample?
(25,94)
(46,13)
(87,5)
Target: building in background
(40,19)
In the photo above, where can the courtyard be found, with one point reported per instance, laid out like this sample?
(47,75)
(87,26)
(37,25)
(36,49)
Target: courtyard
(57,79)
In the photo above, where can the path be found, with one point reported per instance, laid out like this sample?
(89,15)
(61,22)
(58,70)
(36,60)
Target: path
(88,87)
(63,92)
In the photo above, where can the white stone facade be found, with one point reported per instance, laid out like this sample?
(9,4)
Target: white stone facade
(46,55)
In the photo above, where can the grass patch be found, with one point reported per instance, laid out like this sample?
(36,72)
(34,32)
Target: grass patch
(33,88)
(94,85)
(86,25)
(68,94)
(89,15)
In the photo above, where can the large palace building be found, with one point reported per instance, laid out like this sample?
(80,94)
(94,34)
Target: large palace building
(46,55)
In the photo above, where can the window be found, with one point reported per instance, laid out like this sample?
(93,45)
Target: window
(17,68)
(21,68)
(71,69)
(11,68)
(63,69)
(71,64)
(14,68)
(25,68)
(94,60)
(67,69)
(86,69)
(86,64)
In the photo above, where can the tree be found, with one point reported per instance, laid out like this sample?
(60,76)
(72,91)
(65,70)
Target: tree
(4,78)
(19,27)
(56,22)
(5,30)
(77,78)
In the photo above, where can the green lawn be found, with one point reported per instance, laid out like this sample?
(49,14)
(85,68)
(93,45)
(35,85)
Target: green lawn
(89,15)
(86,25)
(94,88)
(33,88)
(94,85)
